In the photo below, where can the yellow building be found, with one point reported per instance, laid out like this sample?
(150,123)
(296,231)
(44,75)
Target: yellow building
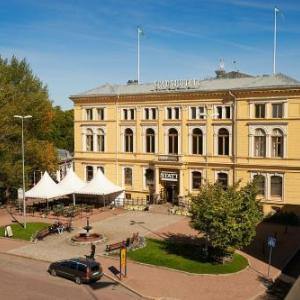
(162,140)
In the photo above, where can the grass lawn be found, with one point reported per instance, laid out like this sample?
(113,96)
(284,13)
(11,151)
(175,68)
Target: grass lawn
(24,234)
(183,257)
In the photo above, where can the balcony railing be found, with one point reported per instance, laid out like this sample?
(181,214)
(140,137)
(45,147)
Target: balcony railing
(168,157)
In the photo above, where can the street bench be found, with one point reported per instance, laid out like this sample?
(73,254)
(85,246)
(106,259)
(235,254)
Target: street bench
(112,247)
(42,234)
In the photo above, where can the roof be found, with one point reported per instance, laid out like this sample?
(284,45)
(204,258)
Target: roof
(71,182)
(215,84)
(46,188)
(100,185)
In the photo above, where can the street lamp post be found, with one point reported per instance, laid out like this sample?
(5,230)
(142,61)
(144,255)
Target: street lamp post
(23,165)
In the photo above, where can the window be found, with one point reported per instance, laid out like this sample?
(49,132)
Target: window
(223,112)
(197,141)
(128,113)
(128,140)
(277,143)
(169,113)
(89,140)
(100,113)
(196,180)
(197,112)
(219,112)
(128,176)
(147,113)
(260,182)
(223,180)
(100,140)
(150,113)
(176,110)
(277,110)
(276,186)
(149,177)
(150,140)
(173,113)
(223,142)
(89,173)
(153,113)
(173,141)
(260,143)
(89,114)
(260,110)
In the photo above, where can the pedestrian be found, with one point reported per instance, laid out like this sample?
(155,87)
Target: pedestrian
(93,250)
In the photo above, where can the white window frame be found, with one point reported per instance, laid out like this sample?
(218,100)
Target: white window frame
(123,174)
(173,113)
(203,129)
(166,146)
(123,128)
(216,135)
(268,129)
(144,130)
(128,109)
(150,113)
(215,115)
(197,112)
(217,172)
(268,103)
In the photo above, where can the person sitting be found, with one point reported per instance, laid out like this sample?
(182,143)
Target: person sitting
(60,228)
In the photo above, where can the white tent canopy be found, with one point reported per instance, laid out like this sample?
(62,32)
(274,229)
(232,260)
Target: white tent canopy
(47,189)
(100,185)
(71,182)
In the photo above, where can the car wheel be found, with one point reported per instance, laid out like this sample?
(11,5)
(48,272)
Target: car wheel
(53,272)
(78,280)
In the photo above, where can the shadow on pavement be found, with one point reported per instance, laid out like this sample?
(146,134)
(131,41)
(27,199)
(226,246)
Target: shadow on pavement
(102,284)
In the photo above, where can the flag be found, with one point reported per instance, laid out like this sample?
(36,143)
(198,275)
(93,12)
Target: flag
(140,30)
(277,9)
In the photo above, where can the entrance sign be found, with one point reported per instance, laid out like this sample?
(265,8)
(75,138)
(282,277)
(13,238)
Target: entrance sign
(168,176)
(123,262)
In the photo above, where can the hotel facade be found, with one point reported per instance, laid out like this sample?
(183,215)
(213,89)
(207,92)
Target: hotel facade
(161,141)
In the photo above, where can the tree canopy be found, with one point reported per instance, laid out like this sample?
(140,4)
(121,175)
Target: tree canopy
(22,93)
(228,218)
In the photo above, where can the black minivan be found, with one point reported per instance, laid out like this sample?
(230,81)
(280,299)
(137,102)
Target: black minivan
(78,269)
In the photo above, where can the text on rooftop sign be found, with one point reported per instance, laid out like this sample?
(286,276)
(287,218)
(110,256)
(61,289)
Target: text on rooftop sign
(177,84)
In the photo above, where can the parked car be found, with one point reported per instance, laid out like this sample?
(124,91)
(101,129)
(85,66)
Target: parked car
(81,270)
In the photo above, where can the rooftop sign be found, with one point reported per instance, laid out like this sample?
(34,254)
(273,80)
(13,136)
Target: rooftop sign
(177,84)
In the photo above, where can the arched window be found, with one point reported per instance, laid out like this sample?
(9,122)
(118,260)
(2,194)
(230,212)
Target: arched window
(89,140)
(259,143)
(223,180)
(128,176)
(260,182)
(100,140)
(128,140)
(276,186)
(196,180)
(223,142)
(173,141)
(197,141)
(89,173)
(277,143)
(150,140)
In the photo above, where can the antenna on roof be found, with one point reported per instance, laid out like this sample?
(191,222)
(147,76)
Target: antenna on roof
(235,66)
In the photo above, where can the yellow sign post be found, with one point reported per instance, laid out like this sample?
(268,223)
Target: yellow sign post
(123,262)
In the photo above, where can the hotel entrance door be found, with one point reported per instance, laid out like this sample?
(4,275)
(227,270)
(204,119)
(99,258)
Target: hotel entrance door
(169,181)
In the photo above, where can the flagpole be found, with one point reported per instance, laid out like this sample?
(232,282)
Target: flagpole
(138,55)
(275,40)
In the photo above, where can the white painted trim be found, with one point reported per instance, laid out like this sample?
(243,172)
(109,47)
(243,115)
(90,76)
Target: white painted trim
(216,131)
(166,131)
(190,132)
(191,178)
(144,129)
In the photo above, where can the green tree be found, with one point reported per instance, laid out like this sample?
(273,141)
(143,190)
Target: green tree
(62,129)
(228,218)
(22,93)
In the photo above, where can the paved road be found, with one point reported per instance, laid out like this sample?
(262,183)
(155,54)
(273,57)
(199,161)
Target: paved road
(23,278)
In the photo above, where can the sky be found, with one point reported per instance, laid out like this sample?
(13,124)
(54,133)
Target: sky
(76,45)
